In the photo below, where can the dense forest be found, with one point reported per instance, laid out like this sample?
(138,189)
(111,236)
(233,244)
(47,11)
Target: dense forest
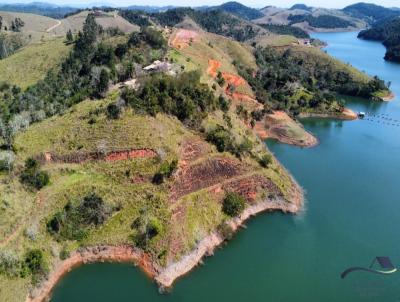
(239,10)
(286,30)
(214,21)
(370,12)
(323,21)
(287,81)
(389,32)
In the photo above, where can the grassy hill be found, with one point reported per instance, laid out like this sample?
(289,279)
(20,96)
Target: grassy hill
(105,19)
(310,18)
(185,216)
(35,27)
(31,63)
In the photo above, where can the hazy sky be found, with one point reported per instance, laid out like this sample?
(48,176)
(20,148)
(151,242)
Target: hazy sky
(252,3)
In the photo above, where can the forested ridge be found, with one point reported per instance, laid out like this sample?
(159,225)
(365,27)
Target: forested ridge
(322,21)
(292,82)
(388,32)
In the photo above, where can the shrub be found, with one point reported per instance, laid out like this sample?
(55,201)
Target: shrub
(9,263)
(220,137)
(6,161)
(233,204)
(147,228)
(74,221)
(113,111)
(32,176)
(265,160)
(34,262)
(166,170)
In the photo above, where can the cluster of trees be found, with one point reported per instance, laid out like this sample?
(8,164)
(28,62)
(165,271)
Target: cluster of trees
(387,31)
(233,204)
(292,82)
(17,24)
(135,17)
(223,139)
(182,96)
(286,30)
(75,220)
(322,21)
(33,263)
(212,20)
(9,44)
(32,176)
(147,227)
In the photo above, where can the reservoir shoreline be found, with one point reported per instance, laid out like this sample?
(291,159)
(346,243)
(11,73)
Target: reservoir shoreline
(164,277)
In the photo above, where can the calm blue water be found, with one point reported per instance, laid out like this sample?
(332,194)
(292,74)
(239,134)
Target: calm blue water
(352,214)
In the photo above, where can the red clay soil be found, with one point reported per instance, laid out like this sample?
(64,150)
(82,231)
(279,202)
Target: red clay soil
(193,149)
(233,79)
(205,174)
(130,154)
(213,66)
(182,38)
(81,157)
(250,186)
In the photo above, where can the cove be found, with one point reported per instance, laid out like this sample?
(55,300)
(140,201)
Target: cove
(352,214)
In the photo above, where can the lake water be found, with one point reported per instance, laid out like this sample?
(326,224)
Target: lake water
(352,214)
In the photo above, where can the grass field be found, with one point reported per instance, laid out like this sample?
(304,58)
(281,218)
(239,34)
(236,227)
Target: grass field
(31,63)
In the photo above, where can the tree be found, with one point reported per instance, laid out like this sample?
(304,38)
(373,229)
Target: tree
(70,37)
(265,160)
(113,111)
(34,262)
(32,176)
(1,23)
(233,204)
(103,82)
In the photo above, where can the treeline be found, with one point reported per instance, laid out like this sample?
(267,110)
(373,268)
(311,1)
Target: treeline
(286,81)
(286,30)
(91,66)
(214,21)
(389,33)
(322,21)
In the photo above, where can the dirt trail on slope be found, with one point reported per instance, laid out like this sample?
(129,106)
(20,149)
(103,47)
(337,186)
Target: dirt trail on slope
(54,26)
(182,38)
(81,157)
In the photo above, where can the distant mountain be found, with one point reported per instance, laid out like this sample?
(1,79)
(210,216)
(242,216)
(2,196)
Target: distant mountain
(301,6)
(240,10)
(149,9)
(370,12)
(39,8)
(310,18)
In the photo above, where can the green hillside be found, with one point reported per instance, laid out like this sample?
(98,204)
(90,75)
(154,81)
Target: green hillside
(31,63)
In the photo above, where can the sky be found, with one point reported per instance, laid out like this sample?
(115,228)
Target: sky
(251,3)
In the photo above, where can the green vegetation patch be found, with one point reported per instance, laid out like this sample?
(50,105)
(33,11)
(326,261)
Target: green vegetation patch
(30,64)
